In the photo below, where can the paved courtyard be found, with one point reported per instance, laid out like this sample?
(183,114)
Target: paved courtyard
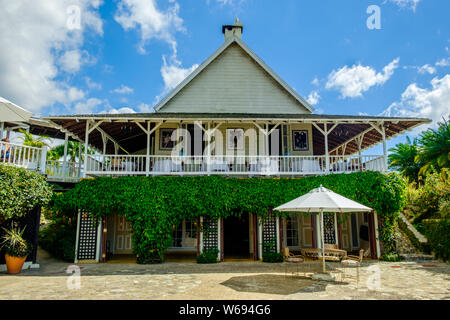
(230,280)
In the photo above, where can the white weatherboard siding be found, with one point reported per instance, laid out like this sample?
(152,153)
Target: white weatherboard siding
(234,83)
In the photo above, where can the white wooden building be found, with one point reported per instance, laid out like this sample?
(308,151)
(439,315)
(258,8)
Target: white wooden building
(234,116)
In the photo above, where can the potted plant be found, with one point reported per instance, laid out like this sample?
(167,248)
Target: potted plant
(16,249)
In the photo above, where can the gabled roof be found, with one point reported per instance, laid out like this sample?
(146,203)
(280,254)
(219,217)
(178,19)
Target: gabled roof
(258,60)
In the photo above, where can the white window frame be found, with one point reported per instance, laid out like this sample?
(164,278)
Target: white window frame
(183,236)
(297,247)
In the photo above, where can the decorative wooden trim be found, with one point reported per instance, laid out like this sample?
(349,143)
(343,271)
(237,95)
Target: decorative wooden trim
(313,230)
(339,237)
(104,239)
(255,236)
(221,242)
(372,236)
(199,230)
(280,233)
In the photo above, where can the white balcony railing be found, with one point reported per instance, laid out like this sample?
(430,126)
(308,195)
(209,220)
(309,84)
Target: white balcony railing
(116,165)
(62,171)
(342,164)
(22,156)
(229,165)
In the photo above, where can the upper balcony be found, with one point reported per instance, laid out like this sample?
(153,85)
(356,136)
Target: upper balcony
(232,165)
(241,145)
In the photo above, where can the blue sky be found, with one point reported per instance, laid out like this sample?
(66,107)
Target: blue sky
(127,54)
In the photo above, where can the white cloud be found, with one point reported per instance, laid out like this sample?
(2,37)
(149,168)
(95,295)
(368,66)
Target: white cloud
(92,85)
(173,74)
(315,81)
(410,4)
(313,98)
(432,103)
(145,108)
(118,111)
(354,81)
(75,94)
(88,106)
(123,89)
(227,2)
(37,45)
(70,61)
(108,68)
(223,2)
(152,22)
(443,63)
(426,69)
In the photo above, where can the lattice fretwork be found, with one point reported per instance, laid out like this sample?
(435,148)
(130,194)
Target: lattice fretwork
(210,233)
(87,238)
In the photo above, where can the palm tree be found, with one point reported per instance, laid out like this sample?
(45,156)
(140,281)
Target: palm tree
(403,159)
(435,148)
(29,139)
(72,151)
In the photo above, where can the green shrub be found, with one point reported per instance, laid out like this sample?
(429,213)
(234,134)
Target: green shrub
(20,191)
(272,257)
(438,235)
(58,239)
(154,204)
(208,256)
(429,201)
(391,257)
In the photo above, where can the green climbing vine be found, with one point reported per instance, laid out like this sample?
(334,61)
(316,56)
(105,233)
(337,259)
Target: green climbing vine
(154,204)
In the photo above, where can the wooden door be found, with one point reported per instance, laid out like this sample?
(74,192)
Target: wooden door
(122,236)
(306,231)
(344,231)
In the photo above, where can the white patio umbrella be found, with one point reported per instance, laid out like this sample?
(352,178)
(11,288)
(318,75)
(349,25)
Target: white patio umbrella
(11,112)
(322,200)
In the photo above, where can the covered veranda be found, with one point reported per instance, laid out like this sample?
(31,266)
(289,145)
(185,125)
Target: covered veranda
(127,144)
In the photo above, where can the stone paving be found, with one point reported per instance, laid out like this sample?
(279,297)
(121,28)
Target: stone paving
(230,280)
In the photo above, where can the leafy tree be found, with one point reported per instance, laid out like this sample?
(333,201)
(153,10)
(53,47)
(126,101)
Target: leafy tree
(434,151)
(403,159)
(53,155)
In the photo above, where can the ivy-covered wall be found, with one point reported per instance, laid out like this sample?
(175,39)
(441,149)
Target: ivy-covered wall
(154,204)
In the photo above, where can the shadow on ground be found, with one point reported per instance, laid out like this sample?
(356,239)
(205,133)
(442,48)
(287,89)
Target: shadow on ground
(274,284)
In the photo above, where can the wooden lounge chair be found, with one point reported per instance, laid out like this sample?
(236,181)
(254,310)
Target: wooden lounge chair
(333,253)
(353,261)
(289,257)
